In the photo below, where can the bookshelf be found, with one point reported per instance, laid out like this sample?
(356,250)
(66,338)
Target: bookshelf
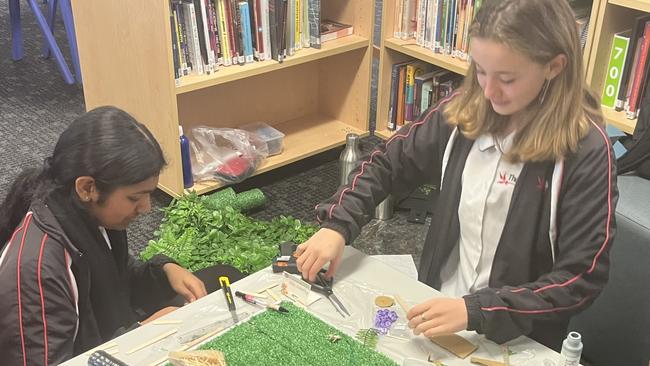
(314,97)
(396,50)
(614,16)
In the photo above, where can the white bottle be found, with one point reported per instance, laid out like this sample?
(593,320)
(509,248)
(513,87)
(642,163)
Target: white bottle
(571,350)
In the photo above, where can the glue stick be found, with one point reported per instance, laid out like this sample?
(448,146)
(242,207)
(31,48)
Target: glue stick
(571,350)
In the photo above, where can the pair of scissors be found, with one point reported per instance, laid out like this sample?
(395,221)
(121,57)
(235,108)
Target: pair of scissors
(324,286)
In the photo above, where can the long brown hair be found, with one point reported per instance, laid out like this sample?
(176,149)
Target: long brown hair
(553,125)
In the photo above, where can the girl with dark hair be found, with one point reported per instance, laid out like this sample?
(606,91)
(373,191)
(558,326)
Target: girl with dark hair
(68,280)
(520,236)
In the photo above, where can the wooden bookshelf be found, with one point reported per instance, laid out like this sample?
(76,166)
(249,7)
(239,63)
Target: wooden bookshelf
(618,120)
(641,5)
(394,50)
(409,47)
(306,136)
(613,16)
(314,97)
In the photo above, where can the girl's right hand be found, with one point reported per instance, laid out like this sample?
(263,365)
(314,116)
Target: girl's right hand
(323,247)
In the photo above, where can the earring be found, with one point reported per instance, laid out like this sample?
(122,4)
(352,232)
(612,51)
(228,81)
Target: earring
(547,82)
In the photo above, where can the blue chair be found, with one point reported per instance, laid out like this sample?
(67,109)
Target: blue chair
(68,22)
(17,38)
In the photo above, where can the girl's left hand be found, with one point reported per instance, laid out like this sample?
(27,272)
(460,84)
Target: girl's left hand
(438,316)
(184,282)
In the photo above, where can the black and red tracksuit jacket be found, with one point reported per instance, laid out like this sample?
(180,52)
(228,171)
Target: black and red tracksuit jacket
(552,260)
(46,316)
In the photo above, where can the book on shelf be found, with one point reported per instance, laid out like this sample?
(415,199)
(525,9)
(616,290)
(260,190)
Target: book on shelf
(620,45)
(441,26)
(314,23)
(207,34)
(330,30)
(415,86)
(631,60)
(633,101)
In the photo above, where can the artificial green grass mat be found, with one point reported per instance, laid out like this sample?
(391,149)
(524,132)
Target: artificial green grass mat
(294,338)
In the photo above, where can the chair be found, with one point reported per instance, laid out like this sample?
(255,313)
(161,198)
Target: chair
(68,22)
(17,38)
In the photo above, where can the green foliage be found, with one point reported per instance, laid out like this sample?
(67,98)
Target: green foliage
(368,337)
(197,236)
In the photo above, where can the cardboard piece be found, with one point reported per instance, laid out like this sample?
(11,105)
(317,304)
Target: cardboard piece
(455,344)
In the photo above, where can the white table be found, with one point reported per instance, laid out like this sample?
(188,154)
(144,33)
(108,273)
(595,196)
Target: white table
(359,280)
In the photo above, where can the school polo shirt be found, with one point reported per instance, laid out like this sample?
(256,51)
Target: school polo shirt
(487,184)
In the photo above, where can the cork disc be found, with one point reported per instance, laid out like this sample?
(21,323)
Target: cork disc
(384,301)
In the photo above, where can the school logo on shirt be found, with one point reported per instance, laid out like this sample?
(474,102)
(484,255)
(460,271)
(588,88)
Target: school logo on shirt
(542,184)
(505,178)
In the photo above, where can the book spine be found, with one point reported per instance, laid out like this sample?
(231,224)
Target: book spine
(175,50)
(246,30)
(224,33)
(214,33)
(635,96)
(637,32)
(265,29)
(232,31)
(617,56)
(298,27)
(314,23)
(182,32)
(273,28)
(259,31)
(290,28)
(195,47)
(401,89)
(239,31)
(408,100)
(211,61)
(392,105)
(425,99)
(399,11)
(305,23)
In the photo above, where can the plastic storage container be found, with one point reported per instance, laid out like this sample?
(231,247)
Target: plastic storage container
(270,135)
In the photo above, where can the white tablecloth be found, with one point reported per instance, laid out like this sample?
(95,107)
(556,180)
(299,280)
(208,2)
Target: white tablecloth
(359,280)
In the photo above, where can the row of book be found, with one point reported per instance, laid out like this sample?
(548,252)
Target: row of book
(442,26)
(208,34)
(439,25)
(628,71)
(414,87)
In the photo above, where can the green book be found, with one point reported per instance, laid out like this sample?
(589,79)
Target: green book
(617,56)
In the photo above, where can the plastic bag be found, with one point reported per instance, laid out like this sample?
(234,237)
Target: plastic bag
(225,154)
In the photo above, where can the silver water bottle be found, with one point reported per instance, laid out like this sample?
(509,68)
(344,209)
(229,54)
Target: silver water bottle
(350,157)
(384,210)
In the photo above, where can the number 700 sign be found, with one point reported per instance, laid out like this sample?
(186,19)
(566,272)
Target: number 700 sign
(620,45)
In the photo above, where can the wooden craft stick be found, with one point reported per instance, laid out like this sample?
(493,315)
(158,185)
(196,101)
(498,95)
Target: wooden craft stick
(485,362)
(506,355)
(401,303)
(455,344)
(273,295)
(165,322)
(159,361)
(188,345)
(151,341)
(102,347)
(254,294)
(266,288)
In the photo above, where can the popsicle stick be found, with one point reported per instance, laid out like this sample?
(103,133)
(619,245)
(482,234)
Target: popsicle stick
(189,345)
(165,322)
(401,303)
(266,288)
(151,341)
(273,295)
(506,355)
